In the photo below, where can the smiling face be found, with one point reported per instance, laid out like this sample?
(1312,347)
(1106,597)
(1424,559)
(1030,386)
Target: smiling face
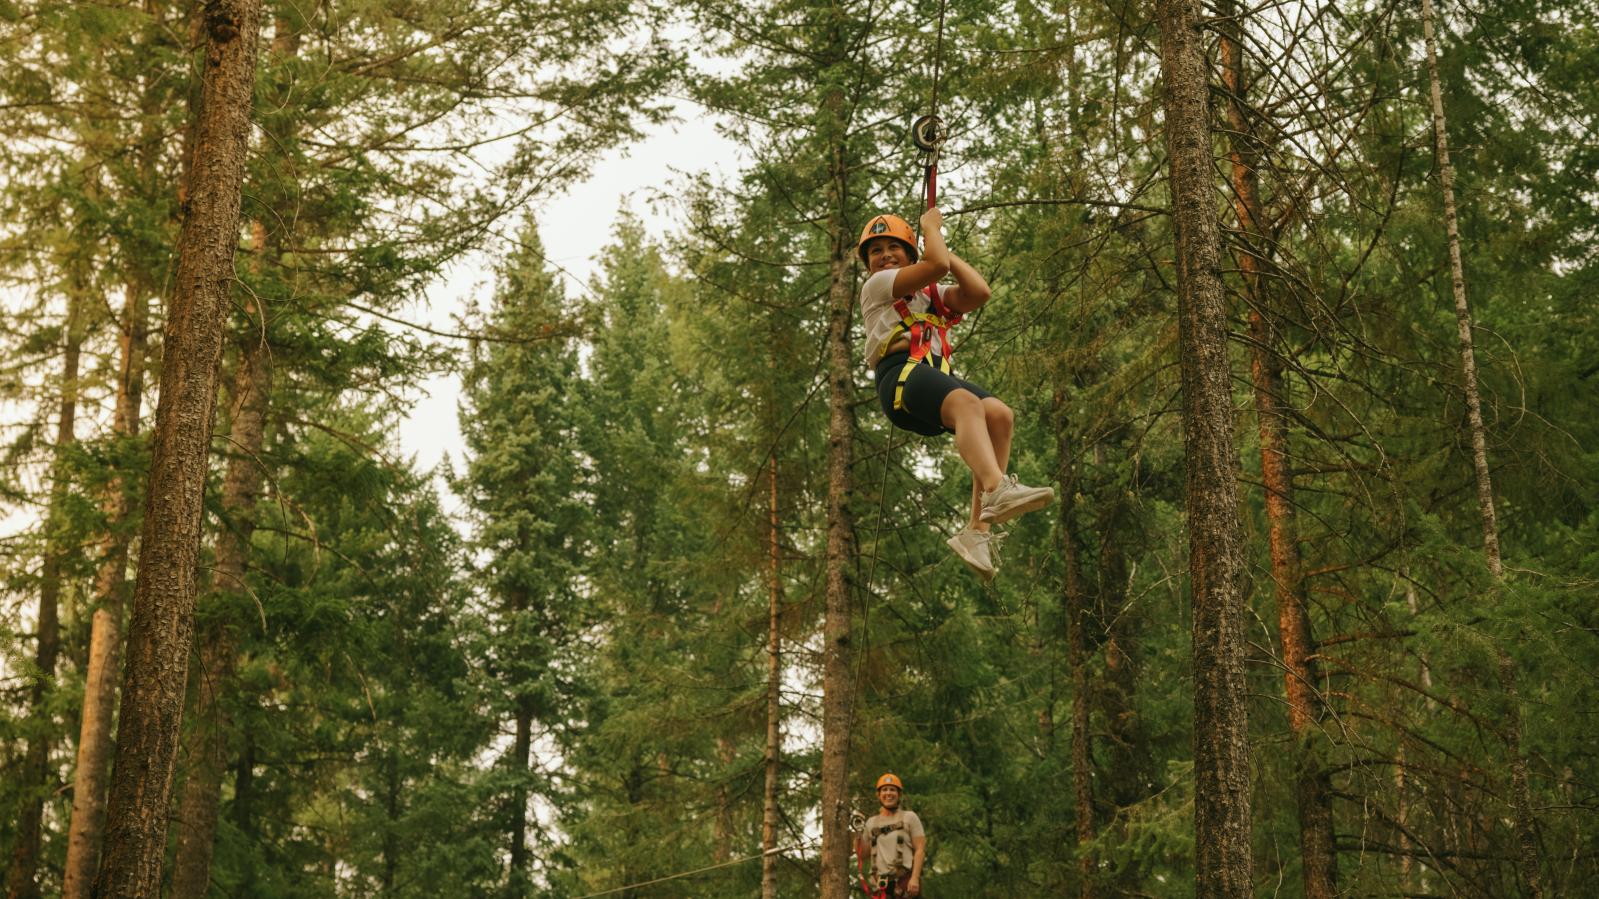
(883,253)
(888,795)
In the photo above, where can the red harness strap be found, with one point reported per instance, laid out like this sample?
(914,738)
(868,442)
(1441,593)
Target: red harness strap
(922,326)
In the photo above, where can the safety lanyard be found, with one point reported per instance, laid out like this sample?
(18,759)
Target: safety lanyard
(923,325)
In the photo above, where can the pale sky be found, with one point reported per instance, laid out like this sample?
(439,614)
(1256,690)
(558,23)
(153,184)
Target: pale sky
(573,227)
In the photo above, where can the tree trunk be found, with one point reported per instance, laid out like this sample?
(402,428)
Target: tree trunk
(1313,785)
(1074,600)
(241,486)
(161,627)
(1521,799)
(1520,792)
(244,787)
(837,688)
(774,711)
(1468,357)
(105,628)
(1216,560)
(521,757)
(723,849)
(1082,750)
(36,777)
(1125,772)
(86,829)
(391,805)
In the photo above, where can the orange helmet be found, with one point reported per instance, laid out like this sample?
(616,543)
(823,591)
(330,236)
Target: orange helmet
(890,780)
(888,226)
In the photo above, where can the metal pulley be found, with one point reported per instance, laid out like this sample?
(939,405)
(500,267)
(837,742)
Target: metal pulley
(927,133)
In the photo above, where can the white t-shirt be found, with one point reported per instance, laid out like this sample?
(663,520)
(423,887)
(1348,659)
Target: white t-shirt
(877,311)
(889,837)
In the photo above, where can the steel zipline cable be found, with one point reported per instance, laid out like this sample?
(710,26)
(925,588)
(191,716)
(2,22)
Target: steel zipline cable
(927,134)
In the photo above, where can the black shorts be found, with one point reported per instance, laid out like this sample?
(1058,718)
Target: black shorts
(925,389)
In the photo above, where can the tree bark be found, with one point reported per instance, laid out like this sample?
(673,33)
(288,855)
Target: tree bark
(1074,599)
(774,711)
(1457,276)
(91,774)
(241,487)
(244,787)
(1216,560)
(837,688)
(1082,750)
(1125,771)
(36,777)
(1521,799)
(161,627)
(1313,784)
(391,805)
(521,757)
(723,849)
(105,629)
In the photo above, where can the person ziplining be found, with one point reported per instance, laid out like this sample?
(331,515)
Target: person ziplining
(907,345)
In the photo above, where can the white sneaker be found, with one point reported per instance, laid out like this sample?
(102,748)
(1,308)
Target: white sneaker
(1012,498)
(974,549)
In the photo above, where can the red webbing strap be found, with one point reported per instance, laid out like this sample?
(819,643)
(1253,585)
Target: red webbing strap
(860,865)
(931,174)
(952,318)
(917,329)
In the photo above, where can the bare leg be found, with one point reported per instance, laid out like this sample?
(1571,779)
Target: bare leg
(1000,423)
(963,413)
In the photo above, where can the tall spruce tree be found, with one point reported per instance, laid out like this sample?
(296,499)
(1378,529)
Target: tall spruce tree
(521,483)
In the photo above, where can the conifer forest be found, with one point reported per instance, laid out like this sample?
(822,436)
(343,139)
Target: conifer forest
(1294,304)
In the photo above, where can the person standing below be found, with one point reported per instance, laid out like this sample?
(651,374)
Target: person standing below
(896,843)
(907,345)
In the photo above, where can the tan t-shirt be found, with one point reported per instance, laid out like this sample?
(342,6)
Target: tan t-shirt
(889,838)
(877,311)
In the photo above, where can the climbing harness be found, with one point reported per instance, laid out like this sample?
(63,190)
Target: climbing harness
(881,886)
(878,886)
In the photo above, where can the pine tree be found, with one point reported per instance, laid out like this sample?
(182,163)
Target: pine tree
(521,484)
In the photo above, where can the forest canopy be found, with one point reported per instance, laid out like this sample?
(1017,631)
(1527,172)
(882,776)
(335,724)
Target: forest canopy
(1290,304)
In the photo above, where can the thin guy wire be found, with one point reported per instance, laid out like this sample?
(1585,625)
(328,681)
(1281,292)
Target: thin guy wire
(728,864)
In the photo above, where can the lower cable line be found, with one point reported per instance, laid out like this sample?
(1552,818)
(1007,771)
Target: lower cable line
(727,864)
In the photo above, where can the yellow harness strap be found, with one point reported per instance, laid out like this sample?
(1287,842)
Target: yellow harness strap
(917,324)
(905,373)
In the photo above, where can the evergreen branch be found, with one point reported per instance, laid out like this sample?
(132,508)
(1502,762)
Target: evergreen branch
(562,330)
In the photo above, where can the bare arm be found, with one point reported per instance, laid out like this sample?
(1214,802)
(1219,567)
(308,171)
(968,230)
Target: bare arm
(920,845)
(970,291)
(935,260)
